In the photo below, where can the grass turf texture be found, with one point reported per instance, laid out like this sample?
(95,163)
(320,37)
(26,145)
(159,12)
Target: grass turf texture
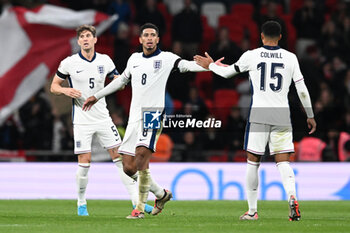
(179,216)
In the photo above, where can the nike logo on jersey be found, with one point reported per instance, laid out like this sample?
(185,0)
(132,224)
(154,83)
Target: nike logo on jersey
(135,66)
(142,140)
(78,71)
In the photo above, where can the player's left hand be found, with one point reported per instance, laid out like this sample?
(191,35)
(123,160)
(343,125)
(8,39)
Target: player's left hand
(203,61)
(311,123)
(89,102)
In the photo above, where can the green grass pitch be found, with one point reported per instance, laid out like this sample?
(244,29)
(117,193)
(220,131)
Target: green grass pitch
(179,216)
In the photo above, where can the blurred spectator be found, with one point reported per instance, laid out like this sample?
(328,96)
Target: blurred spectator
(37,120)
(123,10)
(325,112)
(57,132)
(179,81)
(308,21)
(271,14)
(234,130)
(187,29)
(224,47)
(340,12)
(197,106)
(150,14)
(330,152)
(212,138)
(331,40)
(122,47)
(193,149)
(164,149)
(10,135)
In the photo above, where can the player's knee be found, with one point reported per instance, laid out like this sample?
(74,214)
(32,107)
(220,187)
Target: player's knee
(129,169)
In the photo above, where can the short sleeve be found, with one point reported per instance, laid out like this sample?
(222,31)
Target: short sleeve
(126,73)
(243,63)
(62,71)
(111,70)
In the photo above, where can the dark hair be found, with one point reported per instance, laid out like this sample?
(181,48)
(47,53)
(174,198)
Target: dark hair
(149,25)
(86,27)
(271,29)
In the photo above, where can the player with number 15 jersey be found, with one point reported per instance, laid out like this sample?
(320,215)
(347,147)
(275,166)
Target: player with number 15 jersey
(271,71)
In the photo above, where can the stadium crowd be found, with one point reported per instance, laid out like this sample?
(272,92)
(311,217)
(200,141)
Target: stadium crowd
(317,31)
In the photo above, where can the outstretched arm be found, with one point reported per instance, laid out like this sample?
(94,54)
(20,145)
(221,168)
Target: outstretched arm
(116,84)
(218,68)
(305,100)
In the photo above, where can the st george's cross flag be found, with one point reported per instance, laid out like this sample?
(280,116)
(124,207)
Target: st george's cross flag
(32,44)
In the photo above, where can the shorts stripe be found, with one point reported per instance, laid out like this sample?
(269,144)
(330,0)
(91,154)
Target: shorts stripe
(127,153)
(82,152)
(281,151)
(142,144)
(255,152)
(116,145)
(153,138)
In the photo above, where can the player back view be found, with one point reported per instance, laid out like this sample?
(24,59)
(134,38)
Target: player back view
(271,71)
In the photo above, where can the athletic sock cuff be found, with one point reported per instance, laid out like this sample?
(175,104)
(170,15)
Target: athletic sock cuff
(84,165)
(281,163)
(253,163)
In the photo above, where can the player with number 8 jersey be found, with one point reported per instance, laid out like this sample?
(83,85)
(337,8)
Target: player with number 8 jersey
(148,73)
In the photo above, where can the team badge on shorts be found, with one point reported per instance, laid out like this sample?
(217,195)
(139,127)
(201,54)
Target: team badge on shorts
(78,144)
(151,119)
(157,64)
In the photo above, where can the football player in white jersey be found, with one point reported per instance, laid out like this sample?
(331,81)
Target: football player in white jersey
(86,72)
(148,73)
(271,71)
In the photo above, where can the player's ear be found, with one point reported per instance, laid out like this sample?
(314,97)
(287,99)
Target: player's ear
(157,40)
(280,37)
(95,40)
(140,40)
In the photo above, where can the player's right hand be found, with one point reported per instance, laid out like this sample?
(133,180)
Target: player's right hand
(311,123)
(73,93)
(89,102)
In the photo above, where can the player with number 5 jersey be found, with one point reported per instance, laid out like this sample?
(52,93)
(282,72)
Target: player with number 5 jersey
(86,72)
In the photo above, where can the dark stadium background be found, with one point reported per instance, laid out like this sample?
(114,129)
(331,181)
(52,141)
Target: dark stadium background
(317,31)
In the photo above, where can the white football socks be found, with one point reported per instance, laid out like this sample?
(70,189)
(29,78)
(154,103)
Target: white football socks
(82,181)
(129,183)
(252,182)
(144,188)
(288,178)
(155,188)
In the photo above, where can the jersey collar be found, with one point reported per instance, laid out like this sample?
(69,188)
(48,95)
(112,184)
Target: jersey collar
(82,57)
(155,53)
(271,47)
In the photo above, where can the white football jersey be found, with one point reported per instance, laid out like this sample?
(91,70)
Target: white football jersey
(87,77)
(148,75)
(271,71)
